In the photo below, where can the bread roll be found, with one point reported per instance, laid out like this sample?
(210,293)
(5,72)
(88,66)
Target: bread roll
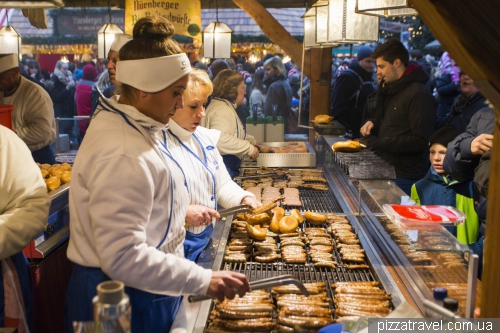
(346,146)
(265,149)
(66,177)
(322,119)
(52,183)
(288,224)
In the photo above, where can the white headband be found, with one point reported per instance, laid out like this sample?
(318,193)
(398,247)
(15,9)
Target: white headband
(8,62)
(153,74)
(120,40)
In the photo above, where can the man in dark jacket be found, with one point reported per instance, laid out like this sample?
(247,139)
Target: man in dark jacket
(404,117)
(417,56)
(279,94)
(350,91)
(465,105)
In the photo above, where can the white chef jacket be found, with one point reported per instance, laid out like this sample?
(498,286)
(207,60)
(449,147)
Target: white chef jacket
(128,203)
(208,181)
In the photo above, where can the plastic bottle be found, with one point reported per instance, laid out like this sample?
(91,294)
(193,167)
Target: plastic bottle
(439,294)
(451,304)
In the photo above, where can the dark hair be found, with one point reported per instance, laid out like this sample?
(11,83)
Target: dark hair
(259,63)
(416,53)
(34,64)
(218,66)
(267,56)
(392,50)
(249,67)
(257,81)
(152,39)
(226,85)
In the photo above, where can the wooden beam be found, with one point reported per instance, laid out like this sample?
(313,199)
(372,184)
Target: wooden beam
(272,29)
(472,37)
(320,78)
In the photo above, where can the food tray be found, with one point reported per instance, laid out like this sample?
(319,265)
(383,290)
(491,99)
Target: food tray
(333,128)
(281,159)
(423,217)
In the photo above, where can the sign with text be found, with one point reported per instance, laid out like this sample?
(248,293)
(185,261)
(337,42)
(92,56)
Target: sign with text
(87,23)
(184,14)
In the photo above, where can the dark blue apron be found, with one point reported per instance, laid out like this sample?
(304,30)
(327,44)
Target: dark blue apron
(150,312)
(232,164)
(194,244)
(44,155)
(23,272)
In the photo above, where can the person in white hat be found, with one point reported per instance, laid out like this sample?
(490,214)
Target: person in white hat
(129,204)
(113,57)
(33,115)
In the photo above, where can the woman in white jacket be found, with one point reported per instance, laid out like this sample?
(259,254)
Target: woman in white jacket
(234,143)
(128,199)
(208,182)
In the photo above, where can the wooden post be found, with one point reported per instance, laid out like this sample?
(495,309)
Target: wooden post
(320,78)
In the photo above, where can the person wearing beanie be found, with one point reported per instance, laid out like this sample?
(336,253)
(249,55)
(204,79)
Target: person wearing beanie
(33,115)
(83,97)
(437,188)
(350,91)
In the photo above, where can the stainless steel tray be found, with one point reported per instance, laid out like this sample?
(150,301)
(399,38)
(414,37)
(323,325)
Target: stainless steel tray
(281,160)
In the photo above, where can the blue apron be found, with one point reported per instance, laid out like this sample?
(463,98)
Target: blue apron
(194,244)
(150,312)
(232,164)
(23,272)
(44,155)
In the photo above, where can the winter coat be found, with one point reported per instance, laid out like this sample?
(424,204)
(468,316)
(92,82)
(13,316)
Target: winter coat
(447,92)
(257,100)
(349,96)
(280,93)
(63,99)
(437,189)
(463,110)
(404,121)
(459,161)
(83,99)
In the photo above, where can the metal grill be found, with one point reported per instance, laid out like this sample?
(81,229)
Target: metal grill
(372,205)
(318,201)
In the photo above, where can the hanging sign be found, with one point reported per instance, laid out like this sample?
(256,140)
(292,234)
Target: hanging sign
(184,14)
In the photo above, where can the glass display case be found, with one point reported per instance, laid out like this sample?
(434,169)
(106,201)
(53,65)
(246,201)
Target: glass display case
(433,257)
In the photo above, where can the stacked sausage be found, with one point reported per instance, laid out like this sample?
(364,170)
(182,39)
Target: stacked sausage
(361,299)
(320,247)
(297,313)
(313,179)
(251,313)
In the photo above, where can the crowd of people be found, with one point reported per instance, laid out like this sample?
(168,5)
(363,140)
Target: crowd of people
(159,153)
(430,122)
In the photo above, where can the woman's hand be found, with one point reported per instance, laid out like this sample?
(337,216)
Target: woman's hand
(252,202)
(255,153)
(198,215)
(227,284)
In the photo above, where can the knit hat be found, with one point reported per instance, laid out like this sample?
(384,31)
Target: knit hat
(444,135)
(364,52)
(295,102)
(90,72)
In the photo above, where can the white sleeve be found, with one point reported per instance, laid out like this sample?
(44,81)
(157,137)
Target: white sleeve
(119,216)
(230,194)
(24,202)
(228,144)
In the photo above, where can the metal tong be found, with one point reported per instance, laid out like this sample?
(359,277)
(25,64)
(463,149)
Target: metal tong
(234,210)
(263,284)
(264,175)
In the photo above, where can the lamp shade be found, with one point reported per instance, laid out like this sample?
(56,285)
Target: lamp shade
(10,40)
(105,37)
(315,31)
(347,26)
(385,8)
(217,40)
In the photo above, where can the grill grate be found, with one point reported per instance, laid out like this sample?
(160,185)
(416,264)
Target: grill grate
(318,201)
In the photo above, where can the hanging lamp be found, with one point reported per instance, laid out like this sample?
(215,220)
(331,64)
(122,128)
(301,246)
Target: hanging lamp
(217,38)
(347,26)
(315,27)
(10,39)
(106,36)
(385,8)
